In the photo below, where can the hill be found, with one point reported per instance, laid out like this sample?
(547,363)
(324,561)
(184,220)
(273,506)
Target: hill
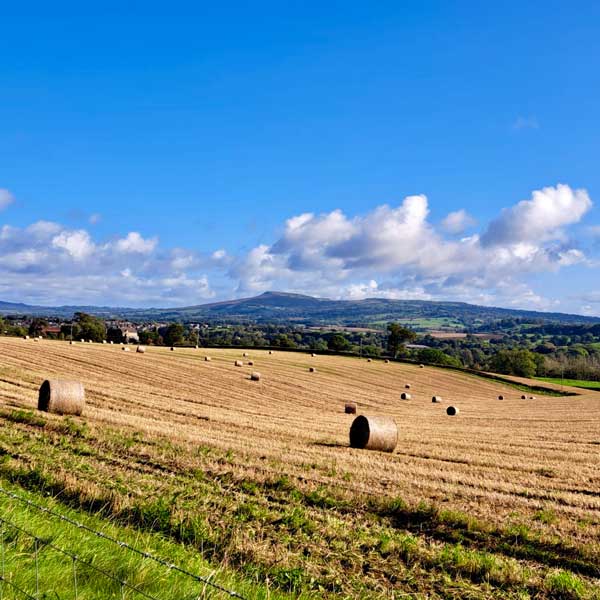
(280,307)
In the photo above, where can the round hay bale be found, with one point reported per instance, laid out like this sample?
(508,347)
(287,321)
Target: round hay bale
(238,363)
(313,354)
(350,408)
(26,337)
(104,341)
(405,396)
(374,433)
(61,397)
(71,343)
(421,366)
(452,411)
(245,354)
(270,351)
(250,363)
(40,337)
(312,369)
(141,349)
(407,386)
(111,342)
(207,359)
(532,397)
(437,399)
(172,349)
(255,376)
(82,341)
(125,349)
(386,361)
(501,397)
(36,340)
(368,360)
(523,397)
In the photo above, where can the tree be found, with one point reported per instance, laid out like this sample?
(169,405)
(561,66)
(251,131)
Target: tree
(36,327)
(437,357)
(174,334)
(514,362)
(338,343)
(398,336)
(90,327)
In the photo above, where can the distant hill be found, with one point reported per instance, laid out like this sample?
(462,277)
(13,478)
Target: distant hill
(280,307)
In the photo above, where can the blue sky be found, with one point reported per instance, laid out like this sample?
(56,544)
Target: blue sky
(169,157)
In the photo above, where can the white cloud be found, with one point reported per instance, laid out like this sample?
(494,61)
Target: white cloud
(340,256)
(539,219)
(6,198)
(458,221)
(390,252)
(77,243)
(135,243)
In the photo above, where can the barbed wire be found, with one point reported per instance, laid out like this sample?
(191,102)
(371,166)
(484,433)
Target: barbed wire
(198,578)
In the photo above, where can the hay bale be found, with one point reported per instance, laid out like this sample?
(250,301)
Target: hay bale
(104,341)
(386,361)
(523,397)
(245,354)
(452,411)
(313,354)
(250,363)
(207,359)
(40,337)
(350,408)
(36,340)
(238,363)
(405,396)
(270,351)
(172,349)
(61,397)
(501,397)
(532,397)
(255,376)
(407,386)
(368,360)
(421,366)
(26,337)
(141,349)
(111,342)
(437,399)
(82,341)
(125,349)
(312,369)
(374,433)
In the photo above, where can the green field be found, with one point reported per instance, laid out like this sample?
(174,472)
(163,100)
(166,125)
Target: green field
(588,385)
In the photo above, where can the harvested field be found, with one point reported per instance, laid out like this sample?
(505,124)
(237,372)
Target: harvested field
(489,503)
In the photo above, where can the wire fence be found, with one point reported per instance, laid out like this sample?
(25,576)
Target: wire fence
(31,555)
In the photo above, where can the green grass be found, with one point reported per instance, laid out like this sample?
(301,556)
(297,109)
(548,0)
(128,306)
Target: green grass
(588,385)
(56,576)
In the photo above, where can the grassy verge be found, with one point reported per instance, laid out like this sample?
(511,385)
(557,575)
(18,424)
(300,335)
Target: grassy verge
(98,556)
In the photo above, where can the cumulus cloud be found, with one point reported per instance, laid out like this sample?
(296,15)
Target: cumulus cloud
(352,257)
(458,221)
(539,219)
(6,198)
(392,251)
(47,262)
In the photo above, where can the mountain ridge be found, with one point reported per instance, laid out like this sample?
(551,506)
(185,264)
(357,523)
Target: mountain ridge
(281,307)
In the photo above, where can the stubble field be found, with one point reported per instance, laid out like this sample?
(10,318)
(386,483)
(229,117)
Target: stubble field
(502,500)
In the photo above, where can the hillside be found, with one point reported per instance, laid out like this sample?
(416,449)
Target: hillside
(273,307)
(502,501)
